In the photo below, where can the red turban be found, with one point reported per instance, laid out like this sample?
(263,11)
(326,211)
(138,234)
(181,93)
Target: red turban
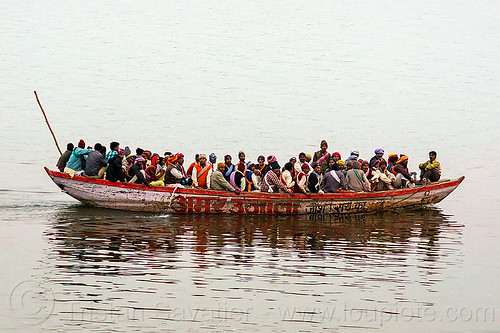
(271,159)
(153,160)
(81,144)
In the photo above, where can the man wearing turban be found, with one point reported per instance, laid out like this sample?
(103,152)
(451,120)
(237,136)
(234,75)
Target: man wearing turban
(218,182)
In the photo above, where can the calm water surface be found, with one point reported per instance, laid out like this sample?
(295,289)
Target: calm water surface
(266,78)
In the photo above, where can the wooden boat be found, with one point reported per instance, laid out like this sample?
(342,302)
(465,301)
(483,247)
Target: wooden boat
(166,199)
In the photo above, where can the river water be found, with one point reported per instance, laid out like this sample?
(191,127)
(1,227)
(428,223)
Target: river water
(263,77)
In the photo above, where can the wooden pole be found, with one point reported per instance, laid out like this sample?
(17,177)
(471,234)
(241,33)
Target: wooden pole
(47,121)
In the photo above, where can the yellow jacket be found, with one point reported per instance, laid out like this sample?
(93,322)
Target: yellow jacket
(431,165)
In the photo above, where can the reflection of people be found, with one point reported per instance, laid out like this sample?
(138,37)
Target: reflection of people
(430,170)
(117,230)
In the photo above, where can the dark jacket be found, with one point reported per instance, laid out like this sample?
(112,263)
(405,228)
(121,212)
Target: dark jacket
(61,163)
(330,185)
(399,168)
(135,170)
(95,161)
(313,183)
(115,171)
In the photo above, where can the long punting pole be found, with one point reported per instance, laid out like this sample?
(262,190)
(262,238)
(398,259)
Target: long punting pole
(47,121)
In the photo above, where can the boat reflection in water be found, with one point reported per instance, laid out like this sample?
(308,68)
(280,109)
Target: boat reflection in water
(97,235)
(105,259)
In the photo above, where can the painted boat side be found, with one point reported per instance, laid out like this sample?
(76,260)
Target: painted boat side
(134,197)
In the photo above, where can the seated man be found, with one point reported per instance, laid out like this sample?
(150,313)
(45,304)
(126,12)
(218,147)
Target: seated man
(113,151)
(218,182)
(313,178)
(147,154)
(139,152)
(348,166)
(115,171)
(286,176)
(175,173)
(61,163)
(333,180)
(237,178)
(356,179)
(403,177)
(385,179)
(262,167)
(155,174)
(257,178)
(298,165)
(379,154)
(331,162)
(212,159)
(96,164)
(137,170)
(202,172)
(129,161)
(251,179)
(342,167)
(430,170)
(229,167)
(354,156)
(271,182)
(301,184)
(74,165)
(392,159)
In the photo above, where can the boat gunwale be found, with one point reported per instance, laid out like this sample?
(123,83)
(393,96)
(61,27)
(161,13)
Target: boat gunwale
(261,195)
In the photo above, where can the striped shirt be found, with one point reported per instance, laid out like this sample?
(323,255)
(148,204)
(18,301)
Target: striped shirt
(110,154)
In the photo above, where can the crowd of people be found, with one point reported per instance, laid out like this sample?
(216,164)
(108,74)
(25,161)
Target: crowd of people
(323,172)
